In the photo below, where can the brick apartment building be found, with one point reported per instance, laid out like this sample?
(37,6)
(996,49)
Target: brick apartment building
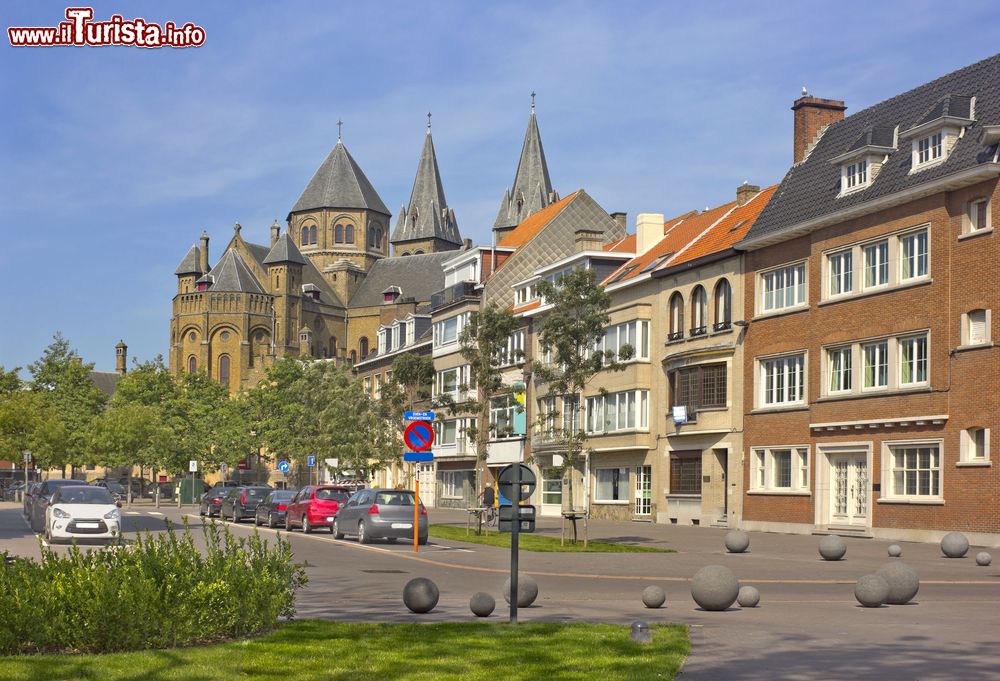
(871,361)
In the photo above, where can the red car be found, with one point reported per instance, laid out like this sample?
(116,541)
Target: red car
(315,506)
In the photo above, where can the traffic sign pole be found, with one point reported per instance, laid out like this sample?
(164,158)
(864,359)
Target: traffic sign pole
(513,542)
(416,508)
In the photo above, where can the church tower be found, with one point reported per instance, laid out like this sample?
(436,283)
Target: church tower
(532,190)
(340,223)
(427,224)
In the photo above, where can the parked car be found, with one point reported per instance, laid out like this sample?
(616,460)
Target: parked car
(315,506)
(273,508)
(29,497)
(10,493)
(117,490)
(242,502)
(43,498)
(82,510)
(211,501)
(380,514)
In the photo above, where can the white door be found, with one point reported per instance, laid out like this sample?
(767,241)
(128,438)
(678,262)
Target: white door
(643,491)
(552,484)
(849,489)
(425,473)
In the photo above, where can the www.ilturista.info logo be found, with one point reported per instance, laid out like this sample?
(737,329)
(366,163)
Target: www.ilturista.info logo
(80,30)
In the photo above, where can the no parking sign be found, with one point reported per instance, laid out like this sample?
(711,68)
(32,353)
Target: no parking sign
(419,436)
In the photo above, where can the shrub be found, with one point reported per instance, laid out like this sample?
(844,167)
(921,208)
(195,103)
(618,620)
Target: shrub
(162,591)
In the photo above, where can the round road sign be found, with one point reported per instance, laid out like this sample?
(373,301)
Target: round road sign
(505,482)
(283,466)
(419,436)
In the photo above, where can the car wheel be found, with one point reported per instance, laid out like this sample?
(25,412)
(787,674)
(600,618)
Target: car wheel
(288,523)
(306,527)
(201,511)
(270,519)
(363,537)
(422,540)
(256,520)
(335,530)
(391,540)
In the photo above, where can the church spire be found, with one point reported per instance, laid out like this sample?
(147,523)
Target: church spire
(532,188)
(427,218)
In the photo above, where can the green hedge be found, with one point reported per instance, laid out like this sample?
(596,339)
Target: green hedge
(162,591)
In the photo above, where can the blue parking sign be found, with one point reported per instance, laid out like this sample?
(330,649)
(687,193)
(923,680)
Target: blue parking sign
(311,461)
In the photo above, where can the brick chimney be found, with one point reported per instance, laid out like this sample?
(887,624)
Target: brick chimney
(621,219)
(745,192)
(648,231)
(589,240)
(203,254)
(812,114)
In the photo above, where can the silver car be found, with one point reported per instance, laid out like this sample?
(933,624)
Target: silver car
(380,514)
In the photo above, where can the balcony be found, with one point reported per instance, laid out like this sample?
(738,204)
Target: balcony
(699,331)
(722,326)
(675,336)
(453,294)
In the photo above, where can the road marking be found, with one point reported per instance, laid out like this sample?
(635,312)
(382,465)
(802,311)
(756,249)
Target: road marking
(132,513)
(154,513)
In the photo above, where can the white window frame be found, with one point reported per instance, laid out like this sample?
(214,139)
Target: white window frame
(634,333)
(915,360)
(878,266)
(977,328)
(969,226)
(764,475)
(788,369)
(840,273)
(441,432)
(509,409)
(623,477)
(918,257)
(874,258)
(797,273)
(627,410)
(973,452)
(880,358)
(440,332)
(929,149)
(840,370)
(450,482)
(890,493)
(513,353)
(856,176)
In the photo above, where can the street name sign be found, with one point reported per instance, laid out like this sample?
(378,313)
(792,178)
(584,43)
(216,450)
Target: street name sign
(419,457)
(418,415)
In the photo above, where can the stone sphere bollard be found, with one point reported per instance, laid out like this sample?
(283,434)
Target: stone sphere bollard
(640,632)
(420,595)
(527,590)
(482,604)
(653,597)
(983,559)
(871,591)
(832,547)
(714,587)
(902,580)
(748,597)
(737,541)
(895,551)
(954,545)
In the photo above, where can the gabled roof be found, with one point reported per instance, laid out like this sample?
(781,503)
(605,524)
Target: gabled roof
(427,216)
(340,183)
(190,264)
(957,106)
(284,250)
(105,381)
(624,245)
(876,136)
(532,188)
(809,194)
(534,224)
(417,276)
(232,273)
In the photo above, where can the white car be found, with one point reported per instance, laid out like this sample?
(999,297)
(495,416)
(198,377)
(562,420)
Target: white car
(82,511)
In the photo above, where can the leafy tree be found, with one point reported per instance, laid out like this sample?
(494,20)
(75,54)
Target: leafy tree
(27,422)
(483,341)
(409,389)
(62,380)
(130,434)
(276,409)
(10,381)
(571,331)
(414,374)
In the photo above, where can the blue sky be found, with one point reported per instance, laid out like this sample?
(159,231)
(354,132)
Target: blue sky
(115,159)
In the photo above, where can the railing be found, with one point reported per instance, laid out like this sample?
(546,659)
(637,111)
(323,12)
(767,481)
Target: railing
(463,289)
(223,302)
(722,326)
(699,331)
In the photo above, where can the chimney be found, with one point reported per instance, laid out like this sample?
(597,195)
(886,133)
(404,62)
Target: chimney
(204,253)
(275,232)
(812,115)
(745,192)
(648,231)
(466,244)
(121,358)
(621,219)
(589,240)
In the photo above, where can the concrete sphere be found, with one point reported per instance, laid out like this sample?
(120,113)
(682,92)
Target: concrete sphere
(527,590)
(737,541)
(714,587)
(983,559)
(902,580)
(482,604)
(832,547)
(748,597)
(871,591)
(954,545)
(420,595)
(653,597)
(895,551)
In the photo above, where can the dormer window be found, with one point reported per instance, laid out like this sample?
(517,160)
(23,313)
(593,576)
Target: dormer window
(938,131)
(929,148)
(857,175)
(860,164)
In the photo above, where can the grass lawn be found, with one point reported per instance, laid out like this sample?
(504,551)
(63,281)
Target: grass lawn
(537,542)
(316,649)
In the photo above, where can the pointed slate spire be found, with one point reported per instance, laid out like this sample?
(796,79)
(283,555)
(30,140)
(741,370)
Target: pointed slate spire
(427,216)
(340,183)
(189,265)
(532,189)
(284,250)
(232,273)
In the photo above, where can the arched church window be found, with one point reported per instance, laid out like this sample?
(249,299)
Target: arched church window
(305,235)
(224,370)
(350,234)
(363,346)
(192,364)
(338,234)
(354,356)
(312,235)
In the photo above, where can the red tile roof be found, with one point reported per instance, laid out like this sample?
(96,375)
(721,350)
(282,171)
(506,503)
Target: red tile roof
(626,245)
(527,230)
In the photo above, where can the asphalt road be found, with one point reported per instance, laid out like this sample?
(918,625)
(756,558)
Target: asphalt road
(808,625)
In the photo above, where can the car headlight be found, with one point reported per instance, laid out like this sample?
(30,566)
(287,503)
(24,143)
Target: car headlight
(113,514)
(59,513)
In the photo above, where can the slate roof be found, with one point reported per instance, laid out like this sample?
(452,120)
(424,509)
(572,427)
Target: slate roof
(105,381)
(190,264)
(428,215)
(310,273)
(810,189)
(340,183)
(531,181)
(418,276)
(876,136)
(232,273)
(284,250)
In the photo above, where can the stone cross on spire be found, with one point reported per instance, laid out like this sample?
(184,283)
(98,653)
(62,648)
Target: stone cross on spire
(532,101)
(428,122)
(340,125)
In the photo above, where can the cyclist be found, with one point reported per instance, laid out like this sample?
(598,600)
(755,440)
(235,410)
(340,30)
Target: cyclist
(488,497)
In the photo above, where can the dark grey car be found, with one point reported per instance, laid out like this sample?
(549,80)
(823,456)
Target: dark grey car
(380,514)
(42,499)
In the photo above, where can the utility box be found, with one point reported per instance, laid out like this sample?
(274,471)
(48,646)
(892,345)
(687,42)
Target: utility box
(189,490)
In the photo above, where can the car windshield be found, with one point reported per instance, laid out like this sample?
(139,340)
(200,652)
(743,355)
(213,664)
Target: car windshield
(331,494)
(115,487)
(282,495)
(85,495)
(257,492)
(52,484)
(394,498)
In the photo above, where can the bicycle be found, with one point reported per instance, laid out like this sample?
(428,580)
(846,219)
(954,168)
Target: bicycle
(490,517)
